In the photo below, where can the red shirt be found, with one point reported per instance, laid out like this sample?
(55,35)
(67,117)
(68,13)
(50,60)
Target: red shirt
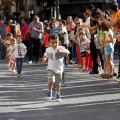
(24,29)
(46,43)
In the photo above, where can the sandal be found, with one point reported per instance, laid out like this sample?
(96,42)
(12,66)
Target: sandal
(82,70)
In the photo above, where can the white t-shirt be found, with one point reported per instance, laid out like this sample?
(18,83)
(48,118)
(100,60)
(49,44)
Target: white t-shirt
(110,32)
(66,41)
(10,49)
(55,59)
(86,44)
(19,50)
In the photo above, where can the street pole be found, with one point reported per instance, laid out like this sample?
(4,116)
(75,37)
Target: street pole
(57,9)
(16,5)
(16,2)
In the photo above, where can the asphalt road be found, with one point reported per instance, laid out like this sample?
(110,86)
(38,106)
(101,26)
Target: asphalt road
(85,97)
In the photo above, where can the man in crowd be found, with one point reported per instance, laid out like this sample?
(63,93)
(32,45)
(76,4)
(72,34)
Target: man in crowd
(36,30)
(2,37)
(93,29)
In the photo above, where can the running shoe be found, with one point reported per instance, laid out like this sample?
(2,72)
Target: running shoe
(118,78)
(30,62)
(18,75)
(49,95)
(58,96)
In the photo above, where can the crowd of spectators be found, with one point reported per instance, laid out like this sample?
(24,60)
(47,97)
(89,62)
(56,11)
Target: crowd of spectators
(91,37)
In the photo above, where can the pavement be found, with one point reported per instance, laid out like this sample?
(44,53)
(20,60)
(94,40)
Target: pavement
(85,97)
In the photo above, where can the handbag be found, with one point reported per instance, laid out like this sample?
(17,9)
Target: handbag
(97,41)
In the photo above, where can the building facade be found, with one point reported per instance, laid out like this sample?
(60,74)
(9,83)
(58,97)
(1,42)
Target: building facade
(74,7)
(25,8)
(47,8)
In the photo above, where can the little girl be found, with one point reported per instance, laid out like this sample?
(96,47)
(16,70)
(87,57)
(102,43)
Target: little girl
(12,61)
(108,51)
(8,39)
(77,41)
(85,50)
(45,43)
(7,44)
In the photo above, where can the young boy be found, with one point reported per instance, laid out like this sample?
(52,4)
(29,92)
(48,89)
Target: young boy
(55,68)
(55,29)
(20,51)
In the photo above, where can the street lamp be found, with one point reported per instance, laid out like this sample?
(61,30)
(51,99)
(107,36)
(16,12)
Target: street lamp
(16,2)
(6,9)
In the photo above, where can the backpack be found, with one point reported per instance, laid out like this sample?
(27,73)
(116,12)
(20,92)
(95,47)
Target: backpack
(13,29)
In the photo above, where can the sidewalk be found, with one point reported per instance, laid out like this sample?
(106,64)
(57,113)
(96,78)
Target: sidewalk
(84,98)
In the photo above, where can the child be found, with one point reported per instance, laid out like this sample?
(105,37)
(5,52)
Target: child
(12,61)
(108,51)
(65,34)
(7,44)
(66,58)
(55,55)
(8,39)
(77,41)
(85,50)
(20,51)
(45,37)
(101,39)
(55,29)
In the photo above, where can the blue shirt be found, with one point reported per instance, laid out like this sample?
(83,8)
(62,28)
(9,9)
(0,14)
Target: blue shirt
(81,48)
(38,26)
(55,31)
(3,31)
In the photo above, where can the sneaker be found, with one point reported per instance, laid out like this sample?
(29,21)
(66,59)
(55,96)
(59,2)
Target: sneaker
(118,78)
(100,75)
(18,75)
(100,68)
(30,62)
(82,70)
(58,96)
(114,74)
(49,95)
(63,84)
(14,71)
(10,69)
(70,62)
